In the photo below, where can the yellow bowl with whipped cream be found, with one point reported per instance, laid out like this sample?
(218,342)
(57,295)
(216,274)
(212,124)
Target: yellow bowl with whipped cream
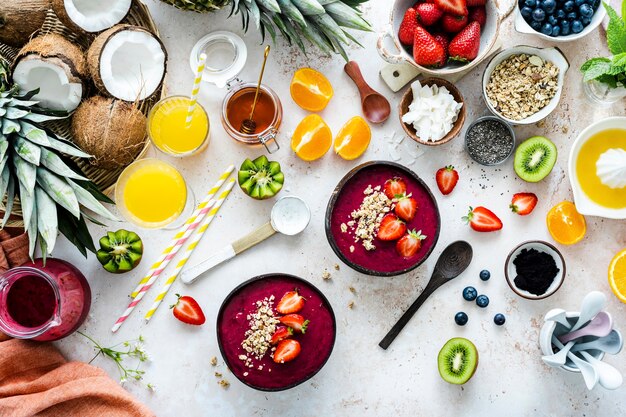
(597,169)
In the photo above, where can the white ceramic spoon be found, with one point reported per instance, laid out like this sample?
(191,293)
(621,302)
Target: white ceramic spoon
(592,304)
(558,315)
(589,373)
(600,326)
(611,344)
(558,359)
(610,378)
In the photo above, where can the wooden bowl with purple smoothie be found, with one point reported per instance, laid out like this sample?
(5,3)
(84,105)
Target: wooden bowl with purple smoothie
(250,302)
(345,233)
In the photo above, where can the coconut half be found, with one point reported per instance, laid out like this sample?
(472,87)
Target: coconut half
(127,62)
(91,15)
(113,131)
(56,67)
(20,19)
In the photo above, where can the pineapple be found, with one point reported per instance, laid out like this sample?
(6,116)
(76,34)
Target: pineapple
(321,22)
(34,167)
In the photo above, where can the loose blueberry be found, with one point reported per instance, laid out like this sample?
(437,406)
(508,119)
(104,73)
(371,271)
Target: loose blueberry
(470,293)
(577,26)
(526,11)
(553,20)
(539,15)
(499,319)
(535,25)
(461,318)
(580,2)
(585,10)
(569,5)
(585,21)
(565,28)
(549,6)
(560,14)
(530,3)
(556,31)
(482,301)
(572,16)
(485,275)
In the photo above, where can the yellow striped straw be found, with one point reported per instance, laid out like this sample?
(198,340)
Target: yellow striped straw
(195,90)
(184,231)
(189,251)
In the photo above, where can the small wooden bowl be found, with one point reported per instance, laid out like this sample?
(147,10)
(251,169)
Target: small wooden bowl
(407,99)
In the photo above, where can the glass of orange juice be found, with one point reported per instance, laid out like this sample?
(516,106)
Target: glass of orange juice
(152,194)
(168,131)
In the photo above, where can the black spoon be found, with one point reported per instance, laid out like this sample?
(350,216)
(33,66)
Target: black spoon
(451,263)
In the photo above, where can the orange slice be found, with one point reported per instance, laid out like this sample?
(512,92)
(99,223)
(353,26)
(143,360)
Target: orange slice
(566,225)
(310,89)
(353,138)
(312,138)
(617,275)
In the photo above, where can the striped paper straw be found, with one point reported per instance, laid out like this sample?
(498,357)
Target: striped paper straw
(195,90)
(192,225)
(183,233)
(189,251)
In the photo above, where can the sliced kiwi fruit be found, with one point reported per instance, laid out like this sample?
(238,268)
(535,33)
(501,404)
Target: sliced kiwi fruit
(120,251)
(535,158)
(261,178)
(457,360)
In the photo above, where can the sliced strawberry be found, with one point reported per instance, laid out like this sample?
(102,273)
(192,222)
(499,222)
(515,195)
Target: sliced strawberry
(286,351)
(451,23)
(428,14)
(482,219)
(478,14)
(394,187)
(447,179)
(292,302)
(391,228)
(406,33)
(523,203)
(188,310)
(427,51)
(281,333)
(295,321)
(406,208)
(474,3)
(410,243)
(457,7)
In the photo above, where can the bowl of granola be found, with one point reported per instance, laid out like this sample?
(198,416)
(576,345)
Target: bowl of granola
(382,219)
(275,331)
(523,84)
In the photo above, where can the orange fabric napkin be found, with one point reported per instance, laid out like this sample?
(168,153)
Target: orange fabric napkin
(13,250)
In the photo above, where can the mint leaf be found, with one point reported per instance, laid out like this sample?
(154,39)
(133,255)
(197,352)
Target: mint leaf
(610,80)
(591,62)
(615,31)
(620,59)
(596,70)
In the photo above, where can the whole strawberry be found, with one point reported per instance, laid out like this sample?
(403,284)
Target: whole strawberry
(478,14)
(406,33)
(428,14)
(465,45)
(451,23)
(426,50)
(474,3)
(443,39)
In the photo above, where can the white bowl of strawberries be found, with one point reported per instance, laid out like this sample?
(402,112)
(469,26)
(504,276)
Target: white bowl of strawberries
(441,37)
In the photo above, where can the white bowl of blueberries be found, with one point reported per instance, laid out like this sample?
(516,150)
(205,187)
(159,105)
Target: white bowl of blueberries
(558,20)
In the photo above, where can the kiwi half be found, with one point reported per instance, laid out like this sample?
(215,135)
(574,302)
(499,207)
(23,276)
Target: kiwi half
(457,360)
(535,158)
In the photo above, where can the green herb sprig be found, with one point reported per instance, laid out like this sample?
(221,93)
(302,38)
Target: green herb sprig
(610,71)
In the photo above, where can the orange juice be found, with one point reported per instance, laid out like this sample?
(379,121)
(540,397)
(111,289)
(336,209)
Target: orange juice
(588,156)
(167,128)
(151,193)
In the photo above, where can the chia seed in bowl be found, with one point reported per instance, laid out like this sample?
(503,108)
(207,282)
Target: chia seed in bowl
(489,140)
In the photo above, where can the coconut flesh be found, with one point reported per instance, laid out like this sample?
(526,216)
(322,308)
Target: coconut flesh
(91,15)
(127,62)
(113,131)
(56,67)
(20,19)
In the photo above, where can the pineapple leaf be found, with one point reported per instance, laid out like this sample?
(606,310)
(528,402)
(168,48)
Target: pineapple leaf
(352,38)
(66,147)
(9,126)
(34,134)
(266,24)
(32,232)
(76,231)
(294,35)
(4,145)
(58,190)
(55,164)
(10,199)
(281,27)
(27,202)
(14,113)
(256,14)
(86,199)
(288,9)
(330,28)
(313,34)
(40,117)
(44,249)
(92,219)
(269,5)
(47,218)
(309,7)
(27,150)
(26,173)
(346,16)
(4,177)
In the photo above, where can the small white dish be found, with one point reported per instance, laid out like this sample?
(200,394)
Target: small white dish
(523,27)
(510,271)
(553,55)
(584,204)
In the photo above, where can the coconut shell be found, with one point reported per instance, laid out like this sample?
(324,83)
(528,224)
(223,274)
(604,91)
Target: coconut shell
(113,131)
(58,50)
(95,51)
(19,20)
(58,6)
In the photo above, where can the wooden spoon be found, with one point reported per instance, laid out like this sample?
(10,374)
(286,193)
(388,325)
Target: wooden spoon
(376,107)
(451,263)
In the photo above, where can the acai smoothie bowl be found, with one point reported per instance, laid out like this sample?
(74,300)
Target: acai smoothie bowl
(382,219)
(275,331)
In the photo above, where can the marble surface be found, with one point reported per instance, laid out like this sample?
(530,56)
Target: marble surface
(360,378)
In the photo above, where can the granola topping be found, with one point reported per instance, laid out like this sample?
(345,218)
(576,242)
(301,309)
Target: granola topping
(262,325)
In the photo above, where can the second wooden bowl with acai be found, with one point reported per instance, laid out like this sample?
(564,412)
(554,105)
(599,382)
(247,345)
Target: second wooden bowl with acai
(407,99)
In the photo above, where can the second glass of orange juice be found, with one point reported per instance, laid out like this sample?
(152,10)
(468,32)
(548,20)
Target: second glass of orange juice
(169,132)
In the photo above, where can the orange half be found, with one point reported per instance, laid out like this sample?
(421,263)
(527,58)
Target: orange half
(617,275)
(312,138)
(310,89)
(353,138)
(566,225)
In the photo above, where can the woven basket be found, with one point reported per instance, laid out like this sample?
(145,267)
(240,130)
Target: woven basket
(139,15)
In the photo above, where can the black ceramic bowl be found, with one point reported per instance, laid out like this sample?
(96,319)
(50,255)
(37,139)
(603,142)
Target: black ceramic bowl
(347,196)
(317,343)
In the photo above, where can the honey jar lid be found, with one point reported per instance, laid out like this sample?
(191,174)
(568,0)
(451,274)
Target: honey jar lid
(226,57)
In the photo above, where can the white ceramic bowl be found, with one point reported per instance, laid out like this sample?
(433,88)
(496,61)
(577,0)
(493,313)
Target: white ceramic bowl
(584,204)
(550,328)
(510,270)
(523,27)
(487,39)
(553,55)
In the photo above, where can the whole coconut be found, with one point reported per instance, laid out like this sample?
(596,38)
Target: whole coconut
(19,19)
(113,131)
